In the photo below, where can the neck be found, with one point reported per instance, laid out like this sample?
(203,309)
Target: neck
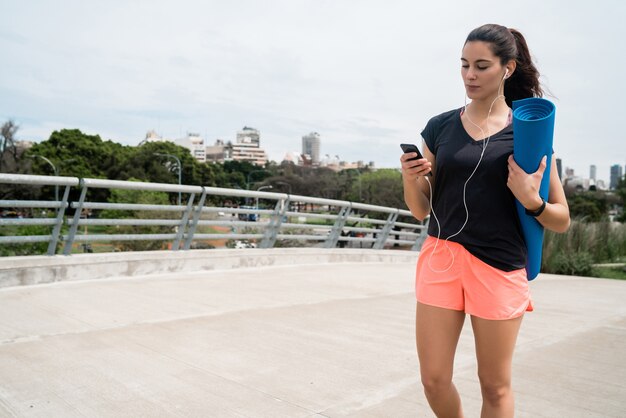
(481,107)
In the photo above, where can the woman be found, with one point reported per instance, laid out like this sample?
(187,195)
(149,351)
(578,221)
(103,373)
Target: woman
(473,259)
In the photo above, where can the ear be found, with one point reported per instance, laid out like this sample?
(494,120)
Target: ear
(510,68)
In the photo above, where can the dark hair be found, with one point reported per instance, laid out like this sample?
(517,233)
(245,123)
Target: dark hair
(510,44)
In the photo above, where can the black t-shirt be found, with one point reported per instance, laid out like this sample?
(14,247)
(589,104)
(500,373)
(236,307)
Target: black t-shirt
(493,233)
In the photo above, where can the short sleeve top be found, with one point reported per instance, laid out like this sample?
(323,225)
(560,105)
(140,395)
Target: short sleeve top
(493,233)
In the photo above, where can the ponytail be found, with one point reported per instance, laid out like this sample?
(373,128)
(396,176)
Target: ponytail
(510,44)
(524,82)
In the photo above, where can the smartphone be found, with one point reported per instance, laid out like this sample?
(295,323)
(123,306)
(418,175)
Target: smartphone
(413,148)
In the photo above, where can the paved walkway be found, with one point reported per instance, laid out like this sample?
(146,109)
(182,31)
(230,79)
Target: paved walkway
(324,340)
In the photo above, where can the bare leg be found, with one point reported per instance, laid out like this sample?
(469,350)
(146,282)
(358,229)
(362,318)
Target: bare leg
(495,342)
(437,333)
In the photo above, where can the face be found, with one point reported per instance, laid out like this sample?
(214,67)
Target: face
(481,70)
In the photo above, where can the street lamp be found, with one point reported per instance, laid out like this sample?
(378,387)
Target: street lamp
(258,190)
(55,170)
(179,166)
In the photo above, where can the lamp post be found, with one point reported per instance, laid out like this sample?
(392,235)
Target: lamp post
(258,190)
(179,166)
(55,170)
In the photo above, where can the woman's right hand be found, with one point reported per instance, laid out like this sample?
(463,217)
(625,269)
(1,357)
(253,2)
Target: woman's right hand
(411,170)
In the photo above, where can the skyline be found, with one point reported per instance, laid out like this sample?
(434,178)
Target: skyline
(365,76)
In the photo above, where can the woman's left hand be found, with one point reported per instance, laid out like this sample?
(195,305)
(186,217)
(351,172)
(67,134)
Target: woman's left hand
(525,186)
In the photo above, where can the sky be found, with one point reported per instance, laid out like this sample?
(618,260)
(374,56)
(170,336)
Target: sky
(366,75)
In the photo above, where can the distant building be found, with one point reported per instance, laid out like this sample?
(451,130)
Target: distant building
(246,148)
(569,172)
(249,136)
(23,145)
(294,157)
(616,175)
(592,172)
(195,144)
(559,168)
(152,136)
(220,152)
(311,146)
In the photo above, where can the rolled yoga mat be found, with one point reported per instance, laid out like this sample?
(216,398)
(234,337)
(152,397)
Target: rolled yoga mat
(533,131)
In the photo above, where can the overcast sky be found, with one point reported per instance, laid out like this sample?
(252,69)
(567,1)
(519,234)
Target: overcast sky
(366,75)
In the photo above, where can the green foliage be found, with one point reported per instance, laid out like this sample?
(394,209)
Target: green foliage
(573,264)
(588,207)
(31,248)
(138,197)
(581,246)
(620,191)
(142,197)
(618,273)
(382,187)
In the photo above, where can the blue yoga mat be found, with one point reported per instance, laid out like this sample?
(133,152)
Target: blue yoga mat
(533,132)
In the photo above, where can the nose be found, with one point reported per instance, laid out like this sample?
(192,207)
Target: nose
(470,74)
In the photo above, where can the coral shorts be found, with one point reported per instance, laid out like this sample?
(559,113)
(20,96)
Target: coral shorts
(448,276)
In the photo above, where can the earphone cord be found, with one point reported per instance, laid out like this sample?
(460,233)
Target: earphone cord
(482,153)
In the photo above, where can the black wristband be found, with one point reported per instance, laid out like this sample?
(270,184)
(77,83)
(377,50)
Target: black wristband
(535,213)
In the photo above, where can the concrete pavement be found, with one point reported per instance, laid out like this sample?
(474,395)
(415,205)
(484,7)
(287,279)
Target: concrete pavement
(332,338)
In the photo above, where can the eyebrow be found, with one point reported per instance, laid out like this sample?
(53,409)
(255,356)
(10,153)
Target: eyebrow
(478,60)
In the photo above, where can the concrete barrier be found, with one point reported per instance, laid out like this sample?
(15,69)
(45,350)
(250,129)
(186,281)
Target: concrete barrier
(31,270)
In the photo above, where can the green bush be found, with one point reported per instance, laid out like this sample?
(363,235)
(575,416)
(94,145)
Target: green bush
(573,264)
(29,248)
(583,245)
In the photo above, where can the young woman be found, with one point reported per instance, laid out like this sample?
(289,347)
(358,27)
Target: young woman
(474,257)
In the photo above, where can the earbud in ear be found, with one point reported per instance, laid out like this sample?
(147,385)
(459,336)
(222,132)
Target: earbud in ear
(506,74)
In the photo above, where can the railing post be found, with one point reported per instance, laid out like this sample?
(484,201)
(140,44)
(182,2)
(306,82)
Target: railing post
(340,222)
(269,235)
(422,236)
(384,232)
(194,222)
(183,223)
(67,250)
(54,238)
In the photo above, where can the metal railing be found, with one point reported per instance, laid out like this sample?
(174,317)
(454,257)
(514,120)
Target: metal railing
(283,219)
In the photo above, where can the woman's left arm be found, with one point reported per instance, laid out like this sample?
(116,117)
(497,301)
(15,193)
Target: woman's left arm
(525,187)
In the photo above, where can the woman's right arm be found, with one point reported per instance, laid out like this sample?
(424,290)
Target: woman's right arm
(416,189)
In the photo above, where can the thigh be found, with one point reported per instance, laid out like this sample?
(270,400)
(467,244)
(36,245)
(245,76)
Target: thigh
(437,333)
(495,343)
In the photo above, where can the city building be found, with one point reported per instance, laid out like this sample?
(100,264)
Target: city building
(592,172)
(559,168)
(246,148)
(151,136)
(249,136)
(220,152)
(311,146)
(616,175)
(195,144)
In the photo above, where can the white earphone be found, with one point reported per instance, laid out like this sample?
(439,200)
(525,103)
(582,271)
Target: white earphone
(506,74)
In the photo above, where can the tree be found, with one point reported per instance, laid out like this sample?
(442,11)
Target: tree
(8,149)
(620,191)
(588,207)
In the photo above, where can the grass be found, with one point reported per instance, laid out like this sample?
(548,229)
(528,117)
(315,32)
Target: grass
(583,245)
(618,273)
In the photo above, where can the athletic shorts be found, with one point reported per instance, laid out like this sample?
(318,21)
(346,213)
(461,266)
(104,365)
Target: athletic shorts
(448,276)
